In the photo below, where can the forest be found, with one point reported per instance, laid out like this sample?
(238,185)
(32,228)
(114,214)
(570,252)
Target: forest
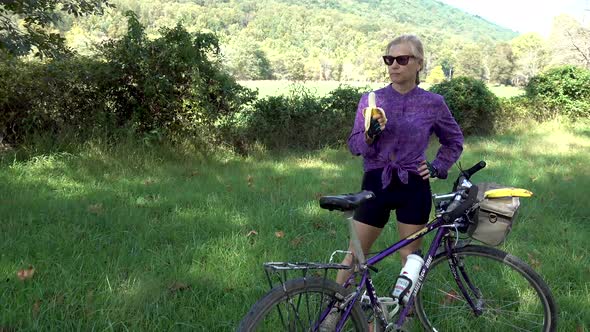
(338,40)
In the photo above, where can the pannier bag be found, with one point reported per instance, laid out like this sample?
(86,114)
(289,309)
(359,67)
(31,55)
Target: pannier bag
(493,219)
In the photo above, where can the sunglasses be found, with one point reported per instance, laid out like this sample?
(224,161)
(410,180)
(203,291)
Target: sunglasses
(402,60)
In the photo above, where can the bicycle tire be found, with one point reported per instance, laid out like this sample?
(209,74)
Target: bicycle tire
(299,290)
(508,286)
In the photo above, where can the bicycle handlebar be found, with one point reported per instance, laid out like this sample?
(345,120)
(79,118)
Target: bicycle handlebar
(463,206)
(468,173)
(457,208)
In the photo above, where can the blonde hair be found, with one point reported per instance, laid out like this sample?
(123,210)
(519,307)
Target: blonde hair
(416,47)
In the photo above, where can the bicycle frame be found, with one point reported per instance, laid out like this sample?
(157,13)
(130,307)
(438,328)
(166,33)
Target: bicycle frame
(442,228)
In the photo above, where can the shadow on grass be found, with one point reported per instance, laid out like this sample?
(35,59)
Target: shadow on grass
(154,240)
(146,242)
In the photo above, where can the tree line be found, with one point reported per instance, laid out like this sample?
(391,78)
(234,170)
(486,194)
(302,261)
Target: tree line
(307,40)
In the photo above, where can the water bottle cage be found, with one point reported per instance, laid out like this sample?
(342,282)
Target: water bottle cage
(406,290)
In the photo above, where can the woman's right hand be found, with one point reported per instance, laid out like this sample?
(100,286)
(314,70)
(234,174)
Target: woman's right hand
(375,129)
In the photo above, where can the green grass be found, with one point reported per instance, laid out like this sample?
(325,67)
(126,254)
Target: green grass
(138,238)
(322,88)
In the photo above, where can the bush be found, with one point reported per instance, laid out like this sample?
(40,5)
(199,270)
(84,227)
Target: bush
(174,84)
(473,105)
(301,120)
(170,86)
(517,112)
(52,98)
(565,90)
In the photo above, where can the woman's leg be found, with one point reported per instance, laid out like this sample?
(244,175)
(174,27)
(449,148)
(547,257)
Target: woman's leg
(367,235)
(404,231)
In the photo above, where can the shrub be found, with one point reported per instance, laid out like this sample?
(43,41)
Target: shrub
(301,120)
(473,105)
(565,90)
(52,98)
(170,86)
(174,83)
(519,111)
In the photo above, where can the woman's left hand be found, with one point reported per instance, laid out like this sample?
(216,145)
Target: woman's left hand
(423,170)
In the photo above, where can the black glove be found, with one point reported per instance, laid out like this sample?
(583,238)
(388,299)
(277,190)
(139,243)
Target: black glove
(433,171)
(374,129)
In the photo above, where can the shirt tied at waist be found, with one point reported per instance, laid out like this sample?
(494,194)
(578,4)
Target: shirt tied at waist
(402,172)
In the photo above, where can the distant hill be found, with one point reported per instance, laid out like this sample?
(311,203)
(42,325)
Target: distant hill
(303,39)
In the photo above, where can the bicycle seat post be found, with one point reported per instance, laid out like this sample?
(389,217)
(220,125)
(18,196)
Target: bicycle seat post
(357,249)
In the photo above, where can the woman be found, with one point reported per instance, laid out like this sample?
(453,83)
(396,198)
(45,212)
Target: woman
(394,152)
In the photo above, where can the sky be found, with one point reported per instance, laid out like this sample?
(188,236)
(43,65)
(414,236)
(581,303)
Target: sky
(525,15)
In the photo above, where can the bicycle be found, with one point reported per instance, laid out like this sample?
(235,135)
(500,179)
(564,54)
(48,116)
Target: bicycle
(492,290)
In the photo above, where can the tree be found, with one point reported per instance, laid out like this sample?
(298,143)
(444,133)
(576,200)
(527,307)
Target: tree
(502,64)
(246,61)
(38,19)
(449,49)
(531,54)
(436,75)
(470,62)
(570,42)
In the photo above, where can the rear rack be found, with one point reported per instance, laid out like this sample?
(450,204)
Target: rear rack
(280,271)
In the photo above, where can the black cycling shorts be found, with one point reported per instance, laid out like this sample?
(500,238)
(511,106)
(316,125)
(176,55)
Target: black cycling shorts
(412,202)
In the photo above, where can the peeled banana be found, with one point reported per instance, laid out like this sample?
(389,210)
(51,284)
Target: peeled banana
(507,192)
(372,110)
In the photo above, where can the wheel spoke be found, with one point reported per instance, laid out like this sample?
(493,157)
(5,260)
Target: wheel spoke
(297,307)
(511,300)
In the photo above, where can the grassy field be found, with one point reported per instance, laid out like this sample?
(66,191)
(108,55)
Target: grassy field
(132,238)
(321,88)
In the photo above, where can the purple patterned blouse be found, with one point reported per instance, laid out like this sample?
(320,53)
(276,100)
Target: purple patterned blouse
(411,119)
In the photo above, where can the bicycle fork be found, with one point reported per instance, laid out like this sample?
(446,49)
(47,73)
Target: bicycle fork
(454,263)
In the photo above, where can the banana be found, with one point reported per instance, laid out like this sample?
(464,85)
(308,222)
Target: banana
(507,192)
(372,110)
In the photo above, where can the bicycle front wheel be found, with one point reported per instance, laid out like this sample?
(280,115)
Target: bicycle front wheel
(512,294)
(297,307)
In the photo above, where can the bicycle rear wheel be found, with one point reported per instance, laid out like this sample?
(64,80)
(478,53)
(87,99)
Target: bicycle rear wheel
(514,296)
(297,307)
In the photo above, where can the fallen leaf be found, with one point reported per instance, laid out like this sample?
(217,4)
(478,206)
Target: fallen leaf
(332,232)
(26,273)
(194,173)
(178,286)
(579,328)
(476,268)
(280,234)
(317,225)
(251,233)
(36,308)
(229,188)
(450,297)
(95,208)
(148,182)
(533,178)
(535,263)
(318,195)
(250,180)
(297,241)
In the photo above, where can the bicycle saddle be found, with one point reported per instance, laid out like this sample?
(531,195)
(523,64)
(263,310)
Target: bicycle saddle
(345,202)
